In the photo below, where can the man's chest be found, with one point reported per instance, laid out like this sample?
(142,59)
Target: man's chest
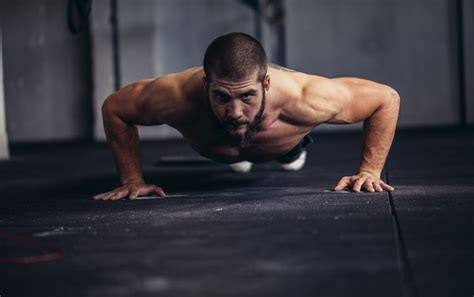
(266,145)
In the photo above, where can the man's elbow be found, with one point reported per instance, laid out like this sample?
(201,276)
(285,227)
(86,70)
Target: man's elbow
(112,107)
(107,105)
(392,100)
(393,96)
(110,111)
(391,105)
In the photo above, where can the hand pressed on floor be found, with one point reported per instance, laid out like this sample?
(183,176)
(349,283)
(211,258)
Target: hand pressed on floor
(363,181)
(132,191)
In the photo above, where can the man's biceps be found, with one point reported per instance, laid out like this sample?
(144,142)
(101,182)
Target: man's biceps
(357,111)
(345,116)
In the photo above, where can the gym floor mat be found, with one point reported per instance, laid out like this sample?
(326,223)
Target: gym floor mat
(220,233)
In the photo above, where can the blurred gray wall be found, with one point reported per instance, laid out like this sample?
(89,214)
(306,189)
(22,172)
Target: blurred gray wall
(408,44)
(46,73)
(468,26)
(4,153)
(102,60)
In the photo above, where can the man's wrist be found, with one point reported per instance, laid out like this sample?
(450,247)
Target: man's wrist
(134,180)
(375,173)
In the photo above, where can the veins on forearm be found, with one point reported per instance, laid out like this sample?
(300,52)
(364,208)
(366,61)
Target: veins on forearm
(379,131)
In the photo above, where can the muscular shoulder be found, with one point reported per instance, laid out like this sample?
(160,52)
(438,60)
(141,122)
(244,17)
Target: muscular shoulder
(172,99)
(165,100)
(324,97)
(358,87)
(335,100)
(285,94)
(312,100)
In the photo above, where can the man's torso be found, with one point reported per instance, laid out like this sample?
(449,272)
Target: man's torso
(283,127)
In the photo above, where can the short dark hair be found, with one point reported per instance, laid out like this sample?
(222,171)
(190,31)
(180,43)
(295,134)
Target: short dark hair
(235,56)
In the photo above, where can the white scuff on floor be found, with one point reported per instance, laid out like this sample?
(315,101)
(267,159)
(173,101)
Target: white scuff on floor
(57,231)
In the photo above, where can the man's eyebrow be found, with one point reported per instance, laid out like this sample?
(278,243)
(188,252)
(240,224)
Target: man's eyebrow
(220,92)
(247,92)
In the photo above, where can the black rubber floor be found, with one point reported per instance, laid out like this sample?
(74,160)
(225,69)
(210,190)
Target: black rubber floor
(266,233)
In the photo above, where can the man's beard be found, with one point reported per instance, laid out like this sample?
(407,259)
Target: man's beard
(245,140)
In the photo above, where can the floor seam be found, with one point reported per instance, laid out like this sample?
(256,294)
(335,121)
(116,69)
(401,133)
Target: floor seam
(407,278)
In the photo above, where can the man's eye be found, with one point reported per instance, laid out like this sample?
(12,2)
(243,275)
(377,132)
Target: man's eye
(220,97)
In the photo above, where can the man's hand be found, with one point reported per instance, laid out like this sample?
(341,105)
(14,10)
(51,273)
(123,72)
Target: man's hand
(363,180)
(132,190)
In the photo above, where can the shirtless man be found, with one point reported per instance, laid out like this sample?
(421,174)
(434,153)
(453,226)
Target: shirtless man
(238,109)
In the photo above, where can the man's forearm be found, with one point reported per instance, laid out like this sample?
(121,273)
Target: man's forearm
(379,130)
(124,142)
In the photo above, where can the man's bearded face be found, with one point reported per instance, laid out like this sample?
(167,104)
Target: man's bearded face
(238,108)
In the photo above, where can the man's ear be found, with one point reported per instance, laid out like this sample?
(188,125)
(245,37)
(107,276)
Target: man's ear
(206,83)
(266,82)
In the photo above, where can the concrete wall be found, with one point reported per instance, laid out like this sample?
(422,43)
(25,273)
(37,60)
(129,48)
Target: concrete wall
(410,45)
(46,73)
(468,10)
(102,67)
(4,154)
(185,28)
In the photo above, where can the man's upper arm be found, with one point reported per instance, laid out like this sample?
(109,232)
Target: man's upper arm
(349,100)
(145,102)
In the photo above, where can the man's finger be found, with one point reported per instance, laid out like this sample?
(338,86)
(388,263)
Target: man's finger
(369,186)
(99,196)
(159,191)
(134,194)
(113,197)
(358,184)
(378,188)
(123,194)
(117,196)
(148,190)
(343,183)
(120,194)
(108,196)
(387,187)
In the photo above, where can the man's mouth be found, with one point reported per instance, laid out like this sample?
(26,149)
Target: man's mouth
(235,126)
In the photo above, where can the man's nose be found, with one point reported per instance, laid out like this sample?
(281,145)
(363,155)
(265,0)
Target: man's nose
(234,110)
